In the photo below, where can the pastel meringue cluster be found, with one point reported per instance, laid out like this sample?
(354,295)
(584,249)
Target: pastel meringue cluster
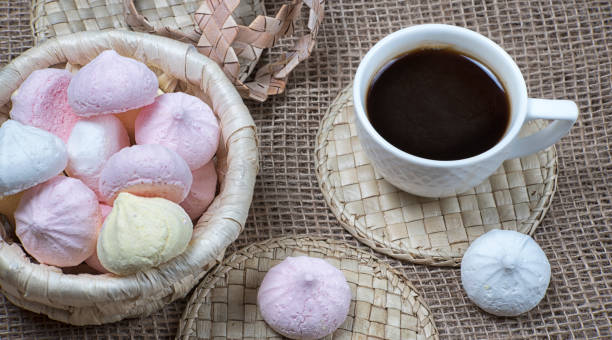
(76,186)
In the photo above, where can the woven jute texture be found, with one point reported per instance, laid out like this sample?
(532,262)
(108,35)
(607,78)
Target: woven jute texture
(384,306)
(433,231)
(563,48)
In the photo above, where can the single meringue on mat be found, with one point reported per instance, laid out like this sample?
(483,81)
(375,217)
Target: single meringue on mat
(141,233)
(202,190)
(93,261)
(41,101)
(182,123)
(92,142)
(56,221)
(304,298)
(505,272)
(111,83)
(28,156)
(146,170)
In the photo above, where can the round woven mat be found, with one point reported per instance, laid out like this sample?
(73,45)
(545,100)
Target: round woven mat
(384,306)
(434,231)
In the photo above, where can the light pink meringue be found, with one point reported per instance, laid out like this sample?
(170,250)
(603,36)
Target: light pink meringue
(182,123)
(56,221)
(304,298)
(111,83)
(92,142)
(146,170)
(41,101)
(93,261)
(202,190)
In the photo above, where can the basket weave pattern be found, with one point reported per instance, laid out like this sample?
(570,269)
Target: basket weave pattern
(93,299)
(233,33)
(384,306)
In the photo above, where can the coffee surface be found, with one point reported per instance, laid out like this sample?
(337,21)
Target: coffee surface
(438,104)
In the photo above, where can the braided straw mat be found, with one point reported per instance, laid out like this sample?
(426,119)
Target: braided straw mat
(564,49)
(384,305)
(216,27)
(433,231)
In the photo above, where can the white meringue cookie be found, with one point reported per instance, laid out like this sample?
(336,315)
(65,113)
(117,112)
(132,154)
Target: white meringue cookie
(28,156)
(92,142)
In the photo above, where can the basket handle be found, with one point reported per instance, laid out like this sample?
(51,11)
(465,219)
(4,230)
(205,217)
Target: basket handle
(219,37)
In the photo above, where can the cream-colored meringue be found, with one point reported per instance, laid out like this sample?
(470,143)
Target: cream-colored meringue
(141,233)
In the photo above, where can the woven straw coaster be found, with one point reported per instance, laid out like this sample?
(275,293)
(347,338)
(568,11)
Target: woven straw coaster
(384,306)
(434,231)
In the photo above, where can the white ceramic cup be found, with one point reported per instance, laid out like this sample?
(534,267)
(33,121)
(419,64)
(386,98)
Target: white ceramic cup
(433,178)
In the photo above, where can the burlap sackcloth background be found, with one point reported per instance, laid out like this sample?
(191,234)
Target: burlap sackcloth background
(564,49)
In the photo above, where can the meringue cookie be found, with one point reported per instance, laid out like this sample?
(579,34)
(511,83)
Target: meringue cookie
(141,233)
(41,101)
(304,298)
(111,83)
(202,190)
(56,221)
(146,170)
(182,123)
(93,261)
(505,272)
(92,142)
(28,156)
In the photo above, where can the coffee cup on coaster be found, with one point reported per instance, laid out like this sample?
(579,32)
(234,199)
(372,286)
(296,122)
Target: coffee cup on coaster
(439,108)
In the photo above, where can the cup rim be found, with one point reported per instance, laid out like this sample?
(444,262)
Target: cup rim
(519,100)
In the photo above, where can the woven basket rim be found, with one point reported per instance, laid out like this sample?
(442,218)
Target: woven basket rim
(214,231)
(252,250)
(376,242)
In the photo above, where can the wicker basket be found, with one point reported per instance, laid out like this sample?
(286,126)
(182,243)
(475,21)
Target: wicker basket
(82,299)
(233,33)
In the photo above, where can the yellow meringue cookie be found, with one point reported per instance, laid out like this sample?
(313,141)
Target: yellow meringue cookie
(141,233)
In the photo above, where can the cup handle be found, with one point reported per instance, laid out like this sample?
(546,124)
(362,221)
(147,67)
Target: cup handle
(563,112)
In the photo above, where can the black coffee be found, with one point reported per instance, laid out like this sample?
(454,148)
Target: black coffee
(438,104)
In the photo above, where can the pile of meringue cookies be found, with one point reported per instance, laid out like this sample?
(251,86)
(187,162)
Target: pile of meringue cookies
(102,167)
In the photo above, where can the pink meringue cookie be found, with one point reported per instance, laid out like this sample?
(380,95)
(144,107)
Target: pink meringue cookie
(41,101)
(182,123)
(93,261)
(111,83)
(202,190)
(304,298)
(56,221)
(146,170)
(92,142)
